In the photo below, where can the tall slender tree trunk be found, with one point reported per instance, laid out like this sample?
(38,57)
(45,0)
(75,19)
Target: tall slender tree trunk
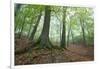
(17,9)
(83,31)
(69,30)
(16,23)
(28,35)
(72,36)
(20,34)
(63,39)
(36,25)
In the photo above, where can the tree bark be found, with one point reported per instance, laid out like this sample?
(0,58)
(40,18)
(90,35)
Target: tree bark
(69,30)
(83,31)
(20,34)
(63,39)
(44,37)
(17,9)
(36,25)
(72,36)
(28,35)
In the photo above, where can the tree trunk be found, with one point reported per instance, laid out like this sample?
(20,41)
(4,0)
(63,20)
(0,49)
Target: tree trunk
(63,39)
(36,25)
(20,34)
(44,37)
(72,36)
(17,9)
(69,30)
(83,32)
(28,35)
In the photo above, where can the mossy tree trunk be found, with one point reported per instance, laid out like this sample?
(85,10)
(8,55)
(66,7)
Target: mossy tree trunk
(44,37)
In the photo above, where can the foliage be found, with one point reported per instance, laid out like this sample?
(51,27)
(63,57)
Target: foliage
(28,15)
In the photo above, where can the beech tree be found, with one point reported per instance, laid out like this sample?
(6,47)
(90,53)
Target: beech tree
(44,37)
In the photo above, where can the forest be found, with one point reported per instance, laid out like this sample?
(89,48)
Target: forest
(53,34)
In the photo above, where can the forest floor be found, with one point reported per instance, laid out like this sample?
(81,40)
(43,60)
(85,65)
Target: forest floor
(73,53)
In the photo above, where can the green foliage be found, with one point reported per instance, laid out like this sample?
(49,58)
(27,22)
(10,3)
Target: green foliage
(29,14)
